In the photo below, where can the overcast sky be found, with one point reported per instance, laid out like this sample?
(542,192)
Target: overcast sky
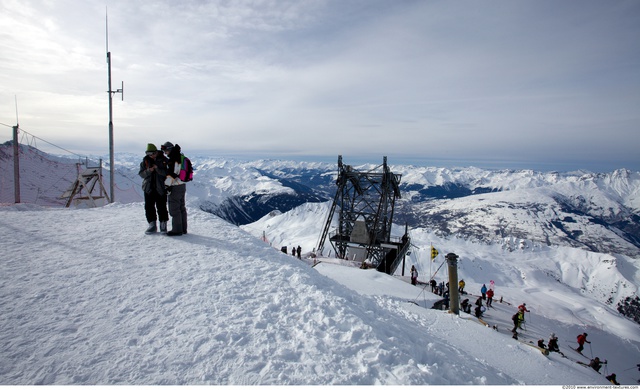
(549,85)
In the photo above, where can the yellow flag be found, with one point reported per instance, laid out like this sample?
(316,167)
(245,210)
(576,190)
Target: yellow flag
(434,253)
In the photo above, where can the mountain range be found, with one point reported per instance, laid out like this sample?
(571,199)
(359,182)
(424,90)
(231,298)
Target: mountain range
(516,209)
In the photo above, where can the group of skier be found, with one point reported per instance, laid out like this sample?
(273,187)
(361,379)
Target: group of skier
(518,318)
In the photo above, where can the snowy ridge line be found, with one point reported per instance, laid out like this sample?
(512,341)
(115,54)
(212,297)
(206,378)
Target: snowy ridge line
(595,212)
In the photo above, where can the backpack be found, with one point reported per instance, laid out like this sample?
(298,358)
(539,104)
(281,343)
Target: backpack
(186,169)
(515,317)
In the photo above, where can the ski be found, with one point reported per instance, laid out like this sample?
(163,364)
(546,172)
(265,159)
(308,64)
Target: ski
(575,350)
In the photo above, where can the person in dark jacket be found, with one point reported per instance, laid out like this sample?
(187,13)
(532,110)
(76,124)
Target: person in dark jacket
(153,171)
(612,378)
(177,190)
(596,364)
(466,306)
(553,343)
(517,319)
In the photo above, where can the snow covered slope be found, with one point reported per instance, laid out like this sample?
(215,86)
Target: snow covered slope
(576,288)
(87,298)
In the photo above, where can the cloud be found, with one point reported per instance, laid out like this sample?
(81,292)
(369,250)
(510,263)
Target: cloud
(528,80)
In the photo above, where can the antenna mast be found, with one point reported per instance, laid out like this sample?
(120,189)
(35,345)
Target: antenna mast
(111,92)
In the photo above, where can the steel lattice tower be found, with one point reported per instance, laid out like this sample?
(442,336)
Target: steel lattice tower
(365,201)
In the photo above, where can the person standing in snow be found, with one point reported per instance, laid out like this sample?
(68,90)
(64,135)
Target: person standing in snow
(489,297)
(433,285)
(414,275)
(177,190)
(299,252)
(461,285)
(483,291)
(581,340)
(153,171)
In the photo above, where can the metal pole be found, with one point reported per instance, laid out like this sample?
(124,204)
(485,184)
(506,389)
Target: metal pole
(16,165)
(406,234)
(452,261)
(111,163)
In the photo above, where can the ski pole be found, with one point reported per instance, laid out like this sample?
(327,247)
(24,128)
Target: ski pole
(591,350)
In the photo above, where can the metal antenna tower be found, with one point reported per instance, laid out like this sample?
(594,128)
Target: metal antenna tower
(111,93)
(366,202)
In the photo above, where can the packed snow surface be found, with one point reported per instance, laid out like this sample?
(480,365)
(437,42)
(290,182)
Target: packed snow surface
(87,298)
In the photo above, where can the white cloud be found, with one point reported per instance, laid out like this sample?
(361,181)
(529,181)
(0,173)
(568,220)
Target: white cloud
(413,78)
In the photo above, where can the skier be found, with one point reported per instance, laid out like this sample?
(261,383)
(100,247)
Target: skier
(612,378)
(514,318)
(520,319)
(523,307)
(433,285)
(483,291)
(489,297)
(461,286)
(541,344)
(466,307)
(581,340)
(517,319)
(478,311)
(553,343)
(596,364)
(414,275)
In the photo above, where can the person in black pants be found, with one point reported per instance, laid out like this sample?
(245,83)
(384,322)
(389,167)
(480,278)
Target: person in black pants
(153,171)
